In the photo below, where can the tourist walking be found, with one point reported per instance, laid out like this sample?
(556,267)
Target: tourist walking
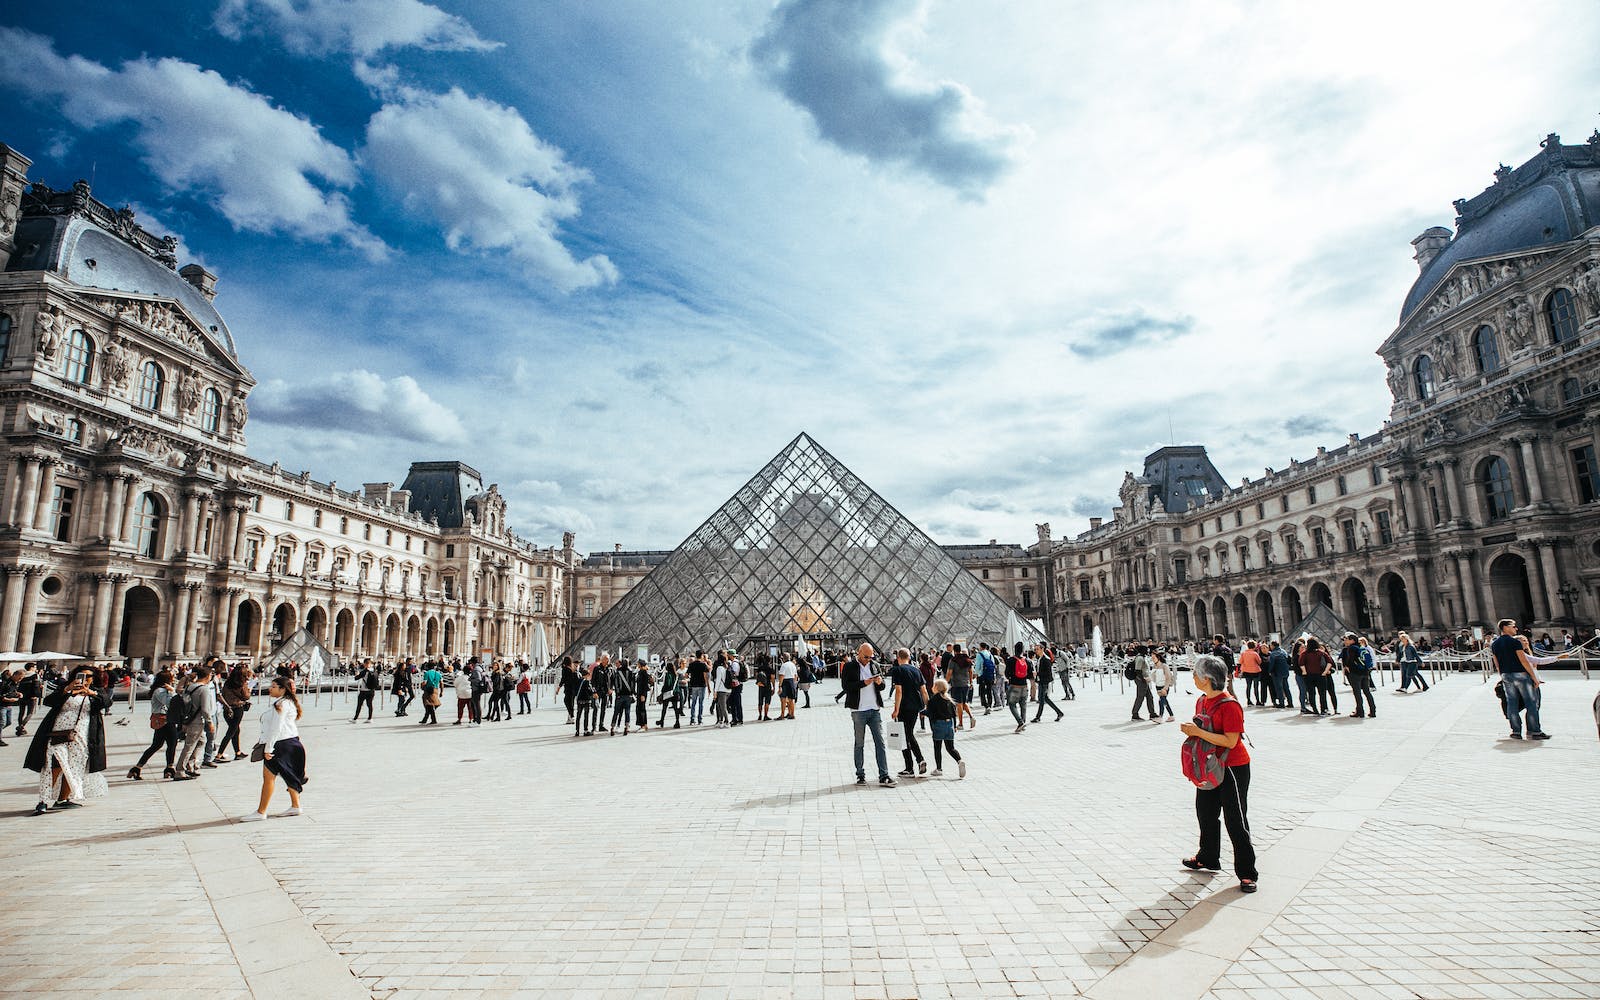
(1317,667)
(910,695)
(525,690)
(1278,670)
(68,751)
(463,688)
(699,682)
(1064,671)
(722,676)
(282,754)
(1358,673)
(403,689)
(863,696)
(764,676)
(1255,688)
(432,684)
(1219,721)
(1409,661)
(1138,671)
(807,677)
(30,687)
(199,709)
(958,683)
(987,667)
(235,707)
(671,695)
(569,686)
(586,701)
(367,684)
(944,720)
(788,686)
(164,728)
(621,684)
(1161,679)
(1520,681)
(1018,673)
(643,682)
(1044,672)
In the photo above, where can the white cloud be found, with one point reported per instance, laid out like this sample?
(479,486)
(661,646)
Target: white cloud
(835,59)
(363,28)
(477,170)
(359,402)
(265,169)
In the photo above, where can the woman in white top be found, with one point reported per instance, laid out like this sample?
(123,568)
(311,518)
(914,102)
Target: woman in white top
(1161,678)
(282,755)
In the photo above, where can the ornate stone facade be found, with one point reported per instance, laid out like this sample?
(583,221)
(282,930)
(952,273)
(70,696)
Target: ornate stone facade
(134,525)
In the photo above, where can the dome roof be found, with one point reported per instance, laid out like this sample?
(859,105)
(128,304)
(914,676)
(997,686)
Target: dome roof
(76,246)
(1552,198)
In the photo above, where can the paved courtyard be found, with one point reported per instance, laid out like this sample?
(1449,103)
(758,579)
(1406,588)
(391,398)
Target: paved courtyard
(1418,855)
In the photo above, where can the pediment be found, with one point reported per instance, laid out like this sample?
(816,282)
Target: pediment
(170,321)
(1468,279)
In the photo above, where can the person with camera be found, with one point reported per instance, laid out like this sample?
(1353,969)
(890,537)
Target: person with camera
(863,696)
(68,751)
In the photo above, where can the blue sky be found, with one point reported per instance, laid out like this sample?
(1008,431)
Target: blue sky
(616,254)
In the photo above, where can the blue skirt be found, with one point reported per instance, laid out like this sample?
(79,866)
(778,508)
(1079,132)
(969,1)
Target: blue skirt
(944,729)
(289,762)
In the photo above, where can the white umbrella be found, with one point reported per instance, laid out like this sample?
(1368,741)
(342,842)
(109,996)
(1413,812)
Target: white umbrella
(38,657)
(541,651)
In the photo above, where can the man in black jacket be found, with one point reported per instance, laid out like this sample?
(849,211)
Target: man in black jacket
(863,696)
(402,689)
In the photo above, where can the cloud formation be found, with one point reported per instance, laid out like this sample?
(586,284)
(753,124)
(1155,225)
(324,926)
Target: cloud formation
(265,169)
(1307,425)
(477,170)
(832,59)
(1105,334)
(362,28)
(359,402)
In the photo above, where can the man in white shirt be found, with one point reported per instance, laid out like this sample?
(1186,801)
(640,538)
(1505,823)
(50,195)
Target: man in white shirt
(863,695)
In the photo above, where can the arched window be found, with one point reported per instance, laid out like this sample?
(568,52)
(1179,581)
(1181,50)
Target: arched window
(1562,313)
(5,336)
(147,526)
(1487,350)
(151,381)
(1423,373)
(1497,489)
(80,357)
(211,412)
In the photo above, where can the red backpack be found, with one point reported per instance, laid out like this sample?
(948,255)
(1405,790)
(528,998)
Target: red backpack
(1019,668)
(1205,764)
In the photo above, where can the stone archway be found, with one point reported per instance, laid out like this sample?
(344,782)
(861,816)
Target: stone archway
(1183,621)
(1509,589)
(283,619)
(1293,610)
(344,633)
(449,646)
(413,636)
(317,622)
(1353,594)
(1321,594)
(1219,616)
(1241,615)
(1396,602)
(369,634)
(430,645)
(247,630)
(391,635)
(1266,621)
(1202,621)
(141,615)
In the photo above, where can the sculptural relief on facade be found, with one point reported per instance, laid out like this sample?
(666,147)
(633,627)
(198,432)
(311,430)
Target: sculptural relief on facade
(189,391)
(116,363)
(47,332)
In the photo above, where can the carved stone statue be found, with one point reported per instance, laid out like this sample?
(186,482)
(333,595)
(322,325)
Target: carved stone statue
(189,391)
(1366,534)
(1589,287)
(1519,324)
(238,411)
(1397,381)
(1444,357)
(116,365)
(48,328)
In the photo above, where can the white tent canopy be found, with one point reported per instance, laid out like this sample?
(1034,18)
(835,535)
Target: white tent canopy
(540,653)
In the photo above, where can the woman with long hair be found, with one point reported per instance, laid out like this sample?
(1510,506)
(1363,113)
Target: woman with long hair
(165,727)
(69,750)
(282,755)
(235,706)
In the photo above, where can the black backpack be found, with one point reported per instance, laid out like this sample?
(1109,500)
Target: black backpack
(1130,671)
(179,711)
(370,682)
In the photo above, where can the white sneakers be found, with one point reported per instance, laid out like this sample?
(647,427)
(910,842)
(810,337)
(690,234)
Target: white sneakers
(961,768)
(291,811)
(252,817)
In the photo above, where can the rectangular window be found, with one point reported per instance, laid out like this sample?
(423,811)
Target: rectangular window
(366,532)
(1377,474)
(986,574)
(1261,512)
(1433,502)
(62,500)
(205,536)
(1024,572)
(1385,528)
(424,546)
(316,519)
(1283,503)
(538,571)
(1587,474)
(1349,535)
(588,607)
(281,563)
(252,553)
(313,561)
(449,551)
(1177,534)
(1311,494)
(1238,519)
(288,510)
(449,588)
(338,564)
(1201,525)
(1027,598)
(1180,571)
(1083,560)
(344,526)
(1344,487)
(1318,542)
(1219,525)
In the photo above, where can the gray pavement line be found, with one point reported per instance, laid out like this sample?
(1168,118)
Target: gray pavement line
(272,941)
(1241,920)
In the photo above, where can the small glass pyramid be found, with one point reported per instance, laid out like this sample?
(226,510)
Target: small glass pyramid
(803,551)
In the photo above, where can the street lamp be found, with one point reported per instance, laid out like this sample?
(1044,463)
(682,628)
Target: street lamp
(1373,609)
(1569,596)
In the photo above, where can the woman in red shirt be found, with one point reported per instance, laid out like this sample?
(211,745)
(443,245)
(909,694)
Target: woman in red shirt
(1230,799)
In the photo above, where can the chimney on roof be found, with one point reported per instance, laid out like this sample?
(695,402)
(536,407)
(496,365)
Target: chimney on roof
(200,278)
(1430,244)
(1095,522)
(617,547)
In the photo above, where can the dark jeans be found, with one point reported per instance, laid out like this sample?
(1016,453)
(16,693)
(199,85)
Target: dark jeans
(569,697)
(1066,688)
(908,732)
(1044,699)
(1142,695)
(1409,672)
(641,715)
(235,719)
(1361,687)
(1307,692)
(938,756)
(1326,693)
(1280,690)
(619,713)
(1231,802)
(401,700)
(524,702)
(736,705)
(166,736)
(588,713)
(364,698)
(675,703)
(986,694)
(1255,688)
(429,713)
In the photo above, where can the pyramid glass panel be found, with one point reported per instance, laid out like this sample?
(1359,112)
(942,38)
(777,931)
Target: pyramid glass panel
(805,549)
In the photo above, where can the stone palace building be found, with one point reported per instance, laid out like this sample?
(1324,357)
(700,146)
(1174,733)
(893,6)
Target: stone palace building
(133,525)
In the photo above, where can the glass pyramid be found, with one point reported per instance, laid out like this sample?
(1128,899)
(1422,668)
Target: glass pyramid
(803,551)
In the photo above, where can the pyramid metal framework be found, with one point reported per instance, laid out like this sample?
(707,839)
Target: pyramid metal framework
(804,550)
(1324,623)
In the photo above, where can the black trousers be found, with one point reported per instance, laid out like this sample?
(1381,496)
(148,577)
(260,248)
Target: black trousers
(676,704)
(588,713)
(938,755)
(1326,693)
(429,713)
(1361,687)
(402,699)
(1142,695)
(166,736)
(569,698)
(736,705)
(908,731)
(1229,801)
(524,702)
(363,698)
(986,694)
(235,718)
(641,712)
(1044,699)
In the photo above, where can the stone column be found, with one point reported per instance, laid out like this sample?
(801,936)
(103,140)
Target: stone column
(191,638)
(1417,513)
(125,513)
(30,608)
(1552,574)
(28,503)
(1449,471)
(185,535)
(239,533)
(18,472)
(47,485)
(178,621)
(11,609)
(1530,465)
(83,614)
(228,606)
(230,529)
(97,644)
(1468,587)
(1420,581)
(119,598)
